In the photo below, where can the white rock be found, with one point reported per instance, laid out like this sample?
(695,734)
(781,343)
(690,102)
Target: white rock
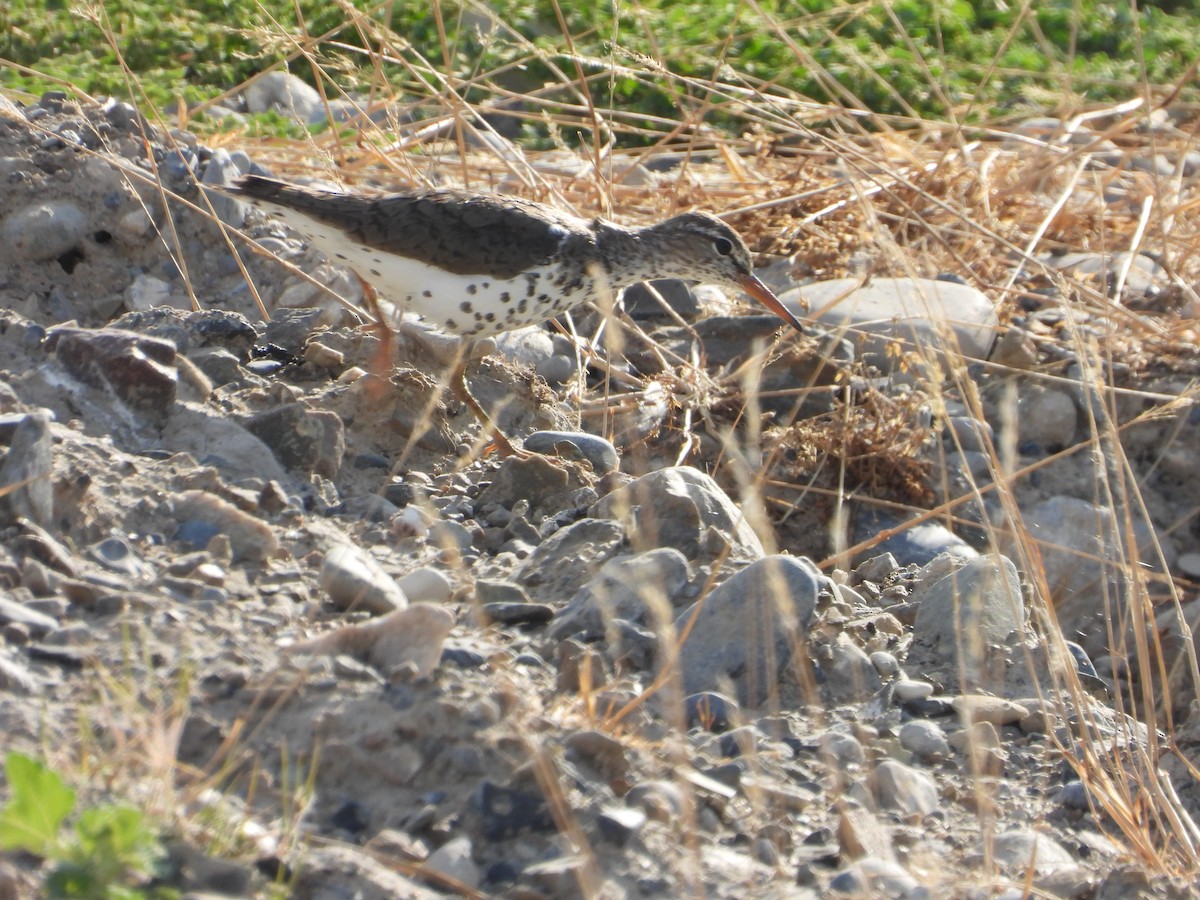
(932,317)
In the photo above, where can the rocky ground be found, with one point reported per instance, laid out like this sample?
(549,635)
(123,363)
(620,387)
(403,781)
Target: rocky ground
(258,578)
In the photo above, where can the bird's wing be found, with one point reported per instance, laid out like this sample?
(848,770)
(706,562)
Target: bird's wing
(463,233)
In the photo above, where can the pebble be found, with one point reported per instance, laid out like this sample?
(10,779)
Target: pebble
(900,788)
(302,439)
(850,673)
(641,589)
(641,304)
(454,860)
(1047,417)
(426,585)
(924,740)
(617,824)
(680,507)
(982,601)
(284,93)
(531,614)
(116,555)
(711,711)
(43,230)
(353,580)
(1020,848)
(601,454)
(915,544)
(844,749)
(909,691)
(661,801)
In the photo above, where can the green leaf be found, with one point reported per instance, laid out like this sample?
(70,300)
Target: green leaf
(116,837)
(39,803)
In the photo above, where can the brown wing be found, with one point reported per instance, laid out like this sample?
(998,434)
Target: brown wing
(463,233)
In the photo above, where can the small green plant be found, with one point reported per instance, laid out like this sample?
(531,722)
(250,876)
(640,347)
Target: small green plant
(106,853)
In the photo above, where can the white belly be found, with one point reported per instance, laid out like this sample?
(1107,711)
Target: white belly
(470,305)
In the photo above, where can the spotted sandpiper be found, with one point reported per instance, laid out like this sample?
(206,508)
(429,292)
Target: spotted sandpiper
(475,264)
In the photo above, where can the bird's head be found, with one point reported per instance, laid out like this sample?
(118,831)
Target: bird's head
(698,247)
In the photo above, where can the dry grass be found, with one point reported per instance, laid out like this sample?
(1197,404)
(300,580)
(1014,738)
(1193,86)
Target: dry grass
(838,191)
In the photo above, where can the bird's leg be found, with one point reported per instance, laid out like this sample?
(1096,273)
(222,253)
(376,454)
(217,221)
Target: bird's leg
(499,441)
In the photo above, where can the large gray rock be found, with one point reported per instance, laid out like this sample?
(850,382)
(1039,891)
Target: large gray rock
(641,589)
(929,316)
(972,622)
(1083,557)
(744,631)
(682,508)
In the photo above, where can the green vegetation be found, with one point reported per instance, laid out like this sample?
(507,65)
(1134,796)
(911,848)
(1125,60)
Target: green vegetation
(103,855)
(938,59)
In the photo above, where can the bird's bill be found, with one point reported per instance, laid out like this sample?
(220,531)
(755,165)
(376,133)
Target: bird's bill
(763,294)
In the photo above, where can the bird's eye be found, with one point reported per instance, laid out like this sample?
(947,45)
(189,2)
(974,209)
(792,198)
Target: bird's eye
(723,246)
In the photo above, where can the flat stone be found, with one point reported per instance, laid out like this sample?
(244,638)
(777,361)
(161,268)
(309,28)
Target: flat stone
(302,439)
(924,740)
(346,871)
(138,369)
(745,629)
(640,589)
(453,859)
(14,612)
(683,508)
(44,230)
(353,580)
(26,471)
(927,315)
(601,454)
(903,789)
(861,835)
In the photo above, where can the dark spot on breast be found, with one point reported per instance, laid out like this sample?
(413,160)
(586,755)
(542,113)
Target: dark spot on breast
(505,297)
(465,306)
(543,298)
(376,273)
(471,289)
(340,255)
(452,325)
(491,317)
(427,294)
(486,285)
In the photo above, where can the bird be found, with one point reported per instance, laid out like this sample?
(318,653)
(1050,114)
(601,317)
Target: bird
(475,264)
